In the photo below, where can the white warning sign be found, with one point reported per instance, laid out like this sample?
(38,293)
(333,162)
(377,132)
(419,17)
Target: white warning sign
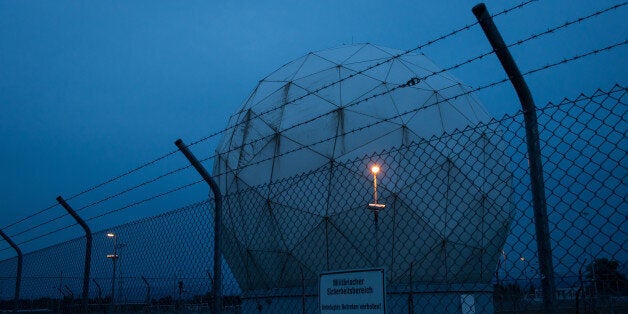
(352,291)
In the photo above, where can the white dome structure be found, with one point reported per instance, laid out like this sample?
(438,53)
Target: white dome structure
(294,169)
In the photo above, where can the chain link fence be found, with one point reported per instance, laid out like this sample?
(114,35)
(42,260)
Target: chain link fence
(456,234)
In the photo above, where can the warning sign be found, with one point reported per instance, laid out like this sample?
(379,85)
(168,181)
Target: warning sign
(352,291)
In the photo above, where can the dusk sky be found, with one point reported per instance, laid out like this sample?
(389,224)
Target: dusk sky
(90,90)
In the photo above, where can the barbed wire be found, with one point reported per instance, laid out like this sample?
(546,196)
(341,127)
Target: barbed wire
(458,65)
(547,66)
(104,214)
(482,87)
(105,199)
(111,211)
(30,216)
(94,187)
(576,57)
(155,179)
(516,43)
(421,46)
(573,58)
(375,65)
(124,174)
(569,23)
(39,225)
(146,199)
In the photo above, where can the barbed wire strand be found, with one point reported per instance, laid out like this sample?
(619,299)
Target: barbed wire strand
(456,66)
(576,57)
(573,58)
(111,211)
(364,100)
(30,216)
(375,65)
(482,87)
(428,43)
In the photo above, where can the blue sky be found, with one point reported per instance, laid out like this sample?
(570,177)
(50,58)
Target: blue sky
(89,90)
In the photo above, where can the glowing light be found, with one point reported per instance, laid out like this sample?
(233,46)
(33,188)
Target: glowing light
(375,169)
(111,235)
(377,206)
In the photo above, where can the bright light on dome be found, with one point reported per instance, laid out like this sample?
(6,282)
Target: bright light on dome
(375,169)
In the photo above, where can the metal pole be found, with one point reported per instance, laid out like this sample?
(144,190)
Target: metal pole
(147,290)
(534,155)
(113,276)
(377,238)
(375,187)
(217,285)
(411,294)
(62,295)
(99,290)
(70,293)
(88,249)
(18,275)
(525,273)
(303,311)
(499,263)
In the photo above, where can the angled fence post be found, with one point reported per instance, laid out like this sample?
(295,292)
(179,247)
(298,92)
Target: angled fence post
(217,284)
(88,249)
(18,274)
(147,290)
(534,154)
(99,290)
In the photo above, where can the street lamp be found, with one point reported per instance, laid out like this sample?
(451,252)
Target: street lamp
(529,279)
(376,207)
(583,214)
(114,258)
(525,267)
(501,265)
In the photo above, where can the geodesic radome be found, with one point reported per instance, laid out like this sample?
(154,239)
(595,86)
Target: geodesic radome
(294,168)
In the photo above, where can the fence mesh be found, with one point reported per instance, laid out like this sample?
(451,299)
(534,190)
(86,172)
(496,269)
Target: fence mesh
(456,234)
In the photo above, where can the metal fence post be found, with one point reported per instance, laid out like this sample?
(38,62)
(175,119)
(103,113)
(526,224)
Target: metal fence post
(88,249)
(147,290)
(217,284)
(534,154)
(18,274)
(99,290)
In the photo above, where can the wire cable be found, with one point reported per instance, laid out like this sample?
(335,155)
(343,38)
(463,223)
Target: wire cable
(482,87)
(458,65)
(375,65)
(388,91)
(551,30)
(488,85)
(111,211)
(129,172)
(30,216)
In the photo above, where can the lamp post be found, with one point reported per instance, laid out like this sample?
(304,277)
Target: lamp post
(583,214)
(99,290)
(501,261)
(376,207)
(114,258)
(375,170)
(525,271)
